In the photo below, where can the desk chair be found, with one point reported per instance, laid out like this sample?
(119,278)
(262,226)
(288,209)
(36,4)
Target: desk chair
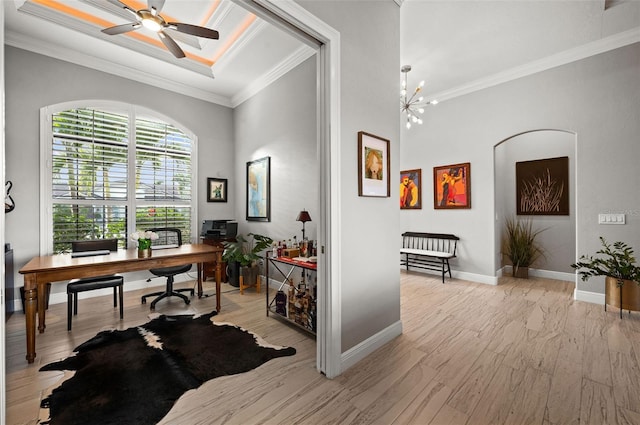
(168,237)
(90,283)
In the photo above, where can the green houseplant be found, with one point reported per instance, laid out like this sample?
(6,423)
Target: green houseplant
(245,250)
(520,246)
(241,256)
(618,264)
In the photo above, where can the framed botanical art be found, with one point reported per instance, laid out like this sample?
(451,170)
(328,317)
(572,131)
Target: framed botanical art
(373,166)
(216,190)
(542,186)
(411,189)
(452,186)
(259,189)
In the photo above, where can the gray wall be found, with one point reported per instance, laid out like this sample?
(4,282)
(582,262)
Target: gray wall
(34,81)
(369,227)
(280,122)
(595,98)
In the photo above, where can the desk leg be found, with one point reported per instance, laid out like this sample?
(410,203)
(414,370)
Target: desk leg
(42,298)
(218,278)
(30,300)
(200,268)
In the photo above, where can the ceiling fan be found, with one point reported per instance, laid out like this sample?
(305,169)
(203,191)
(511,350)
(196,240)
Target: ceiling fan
(150,18)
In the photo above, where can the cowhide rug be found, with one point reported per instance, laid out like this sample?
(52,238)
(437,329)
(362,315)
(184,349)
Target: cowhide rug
(136,375)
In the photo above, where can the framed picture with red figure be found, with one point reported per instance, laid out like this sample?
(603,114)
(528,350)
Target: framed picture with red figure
(452,186)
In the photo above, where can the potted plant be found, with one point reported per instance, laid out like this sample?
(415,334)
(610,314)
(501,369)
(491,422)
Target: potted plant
(242,254)
(520,246)
(618,264)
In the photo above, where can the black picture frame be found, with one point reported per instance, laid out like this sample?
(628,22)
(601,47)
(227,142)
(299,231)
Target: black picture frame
(216,189)
(258,191)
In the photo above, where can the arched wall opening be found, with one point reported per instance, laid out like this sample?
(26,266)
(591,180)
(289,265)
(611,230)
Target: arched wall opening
(559,237)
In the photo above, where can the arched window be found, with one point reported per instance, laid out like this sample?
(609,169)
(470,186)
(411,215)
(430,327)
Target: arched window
(110,169)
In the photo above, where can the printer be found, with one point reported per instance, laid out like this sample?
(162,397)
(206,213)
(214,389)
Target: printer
(218,229)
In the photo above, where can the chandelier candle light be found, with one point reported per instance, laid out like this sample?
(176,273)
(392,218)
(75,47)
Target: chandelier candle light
(412,105)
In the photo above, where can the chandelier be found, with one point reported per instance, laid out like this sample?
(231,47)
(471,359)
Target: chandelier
(412,105)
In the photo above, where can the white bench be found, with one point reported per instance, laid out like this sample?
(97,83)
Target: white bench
(431,251)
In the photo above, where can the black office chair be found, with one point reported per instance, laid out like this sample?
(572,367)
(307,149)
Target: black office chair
(168,237)
(75,286)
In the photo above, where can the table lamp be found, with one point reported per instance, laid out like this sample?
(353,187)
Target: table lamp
(303,216)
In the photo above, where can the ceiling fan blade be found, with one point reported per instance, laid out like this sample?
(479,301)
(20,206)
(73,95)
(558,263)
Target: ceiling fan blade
(171,45)
(119,29)
(194,30)
(156,5)
(121,5)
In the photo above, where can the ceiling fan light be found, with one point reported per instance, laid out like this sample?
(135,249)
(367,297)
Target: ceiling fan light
(151,24)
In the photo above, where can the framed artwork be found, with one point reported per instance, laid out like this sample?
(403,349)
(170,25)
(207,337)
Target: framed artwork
(452,186)
(216,190)
(259,189)
(542,186)
(373,166)
(411,190)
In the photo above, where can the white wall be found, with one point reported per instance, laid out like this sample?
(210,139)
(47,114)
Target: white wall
(369,227)
(596,98)
(33,81)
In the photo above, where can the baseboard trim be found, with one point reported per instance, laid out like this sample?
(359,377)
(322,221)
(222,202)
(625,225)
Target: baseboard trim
(547,274)
(472,277)
(368,346)
(589,297)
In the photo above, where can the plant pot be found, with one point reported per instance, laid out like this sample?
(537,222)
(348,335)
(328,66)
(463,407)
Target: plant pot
(520,272)
(625,297)
(249,277)
(144,253)
(233,273)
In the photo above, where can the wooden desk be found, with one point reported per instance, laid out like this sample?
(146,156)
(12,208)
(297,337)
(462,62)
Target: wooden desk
(53,268)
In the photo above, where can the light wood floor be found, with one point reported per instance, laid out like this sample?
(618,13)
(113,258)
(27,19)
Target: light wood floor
(522,352)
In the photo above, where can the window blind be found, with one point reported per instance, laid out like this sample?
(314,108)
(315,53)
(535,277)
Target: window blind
(91,177)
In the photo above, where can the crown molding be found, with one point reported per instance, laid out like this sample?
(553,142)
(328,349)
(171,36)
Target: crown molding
(69,55)
(584,51)
(90,29)
(300,55)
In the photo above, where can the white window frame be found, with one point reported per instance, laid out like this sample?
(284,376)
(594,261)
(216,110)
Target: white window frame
(46,153)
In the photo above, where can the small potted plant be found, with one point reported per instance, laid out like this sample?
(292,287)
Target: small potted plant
(618,264)
(520,246)
(242,254)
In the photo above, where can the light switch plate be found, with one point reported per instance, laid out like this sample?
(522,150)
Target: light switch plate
(611,219)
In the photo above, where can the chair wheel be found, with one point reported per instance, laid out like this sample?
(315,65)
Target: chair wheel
(144,301)
(188,302)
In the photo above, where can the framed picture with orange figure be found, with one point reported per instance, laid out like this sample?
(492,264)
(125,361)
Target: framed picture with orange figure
(411,189)
(374,163)
(452,186)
